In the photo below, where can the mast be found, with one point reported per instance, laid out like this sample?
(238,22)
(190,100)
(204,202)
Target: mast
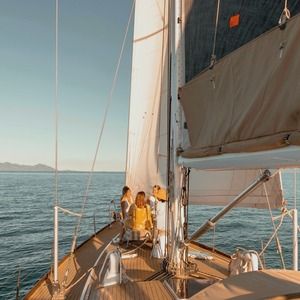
(177,223)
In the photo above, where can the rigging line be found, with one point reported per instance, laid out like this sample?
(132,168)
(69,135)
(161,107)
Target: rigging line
(295,188)
(273,235)
(109,100)
(148,236)
(286,10)
(55,200)
(274,227)
(56,103)
(213,55)
(285,15)
(128,161)
(161,87)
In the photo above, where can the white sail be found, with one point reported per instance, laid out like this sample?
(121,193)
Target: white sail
(147,134)
(221,187)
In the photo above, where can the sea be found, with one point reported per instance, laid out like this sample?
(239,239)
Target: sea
(26,222)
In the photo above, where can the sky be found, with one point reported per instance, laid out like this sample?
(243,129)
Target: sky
(90,38)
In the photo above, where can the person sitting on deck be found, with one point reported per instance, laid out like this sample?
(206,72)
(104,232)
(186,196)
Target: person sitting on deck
(126,202)
(139,217)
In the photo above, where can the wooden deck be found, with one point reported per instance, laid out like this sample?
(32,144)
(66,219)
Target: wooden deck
(146,290)
(138,270)
(216,268)
(77,265)
(143,266)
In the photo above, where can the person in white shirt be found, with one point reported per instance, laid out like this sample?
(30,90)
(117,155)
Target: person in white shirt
(158,204)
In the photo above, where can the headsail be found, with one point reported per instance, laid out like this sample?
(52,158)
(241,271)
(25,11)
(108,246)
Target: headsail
(147,135)
(221,187)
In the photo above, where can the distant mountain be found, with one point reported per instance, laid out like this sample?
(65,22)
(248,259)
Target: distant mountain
(9,167)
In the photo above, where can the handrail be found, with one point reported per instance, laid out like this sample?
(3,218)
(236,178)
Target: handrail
(67,211)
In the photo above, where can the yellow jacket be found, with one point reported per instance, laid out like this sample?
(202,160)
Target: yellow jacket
(140,218)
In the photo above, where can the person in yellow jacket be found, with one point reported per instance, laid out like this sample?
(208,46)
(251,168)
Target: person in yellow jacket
(140,214)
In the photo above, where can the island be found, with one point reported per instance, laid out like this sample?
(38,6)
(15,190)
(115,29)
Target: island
(10,167)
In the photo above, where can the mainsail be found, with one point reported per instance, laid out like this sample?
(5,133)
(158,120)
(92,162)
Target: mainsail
(147,135)
(247,102)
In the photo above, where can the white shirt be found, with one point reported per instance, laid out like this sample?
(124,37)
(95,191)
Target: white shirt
(159,208)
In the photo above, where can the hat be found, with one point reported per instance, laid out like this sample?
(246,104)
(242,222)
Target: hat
(162,194)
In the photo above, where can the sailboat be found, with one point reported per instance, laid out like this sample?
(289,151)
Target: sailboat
(214,117)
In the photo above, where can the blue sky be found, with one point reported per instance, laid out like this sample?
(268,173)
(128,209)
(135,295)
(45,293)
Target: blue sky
(90,38)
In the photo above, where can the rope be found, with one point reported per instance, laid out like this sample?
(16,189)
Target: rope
(161,88)
(128,161)
(56,102)
(286,10)
(109,100)
(138,247)
(285,15)
(263,256)
(274,227)
(272,236)
(295,189)
(213,55)
(214,238)
(79,279)
(55,201)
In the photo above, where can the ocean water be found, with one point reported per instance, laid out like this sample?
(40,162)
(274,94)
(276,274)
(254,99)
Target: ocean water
(26,222)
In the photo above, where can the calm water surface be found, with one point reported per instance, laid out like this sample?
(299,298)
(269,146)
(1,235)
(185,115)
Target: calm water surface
(26,219)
